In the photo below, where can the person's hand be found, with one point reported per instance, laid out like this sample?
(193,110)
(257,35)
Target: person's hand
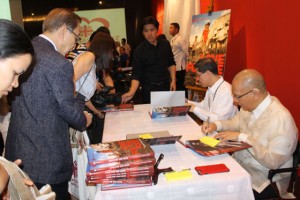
(99,87)
(89,118)
(227,135)
(99,114)
(173,85)
(208,127)
(191,108)
(126,97)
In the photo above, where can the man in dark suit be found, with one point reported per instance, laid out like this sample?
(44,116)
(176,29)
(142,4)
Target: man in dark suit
(46,107)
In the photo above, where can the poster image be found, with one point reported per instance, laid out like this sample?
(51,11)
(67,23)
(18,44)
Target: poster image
(208,38)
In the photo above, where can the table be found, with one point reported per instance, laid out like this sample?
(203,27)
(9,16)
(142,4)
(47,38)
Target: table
(235,184)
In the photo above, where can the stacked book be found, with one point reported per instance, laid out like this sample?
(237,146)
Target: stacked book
(120,164)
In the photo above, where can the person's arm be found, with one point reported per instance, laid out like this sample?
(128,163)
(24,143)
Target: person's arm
(3,178)
(109,82)
(133,88)
(83,64)
(172,70)
(97,112)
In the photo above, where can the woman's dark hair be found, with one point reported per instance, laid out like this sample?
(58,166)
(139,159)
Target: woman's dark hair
(102,46)
(13,40)
(149,20)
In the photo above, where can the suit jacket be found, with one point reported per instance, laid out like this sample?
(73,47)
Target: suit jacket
(38,132)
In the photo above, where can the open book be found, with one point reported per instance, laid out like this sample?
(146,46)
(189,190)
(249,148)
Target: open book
(222,147)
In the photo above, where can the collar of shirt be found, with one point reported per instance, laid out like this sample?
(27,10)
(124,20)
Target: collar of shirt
(47,38)
(262,106)
(174,38)
(213,88)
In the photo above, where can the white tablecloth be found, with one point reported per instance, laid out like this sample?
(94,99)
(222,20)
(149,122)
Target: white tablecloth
(235,184)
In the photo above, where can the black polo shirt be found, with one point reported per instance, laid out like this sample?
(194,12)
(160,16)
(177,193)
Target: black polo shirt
(151,63)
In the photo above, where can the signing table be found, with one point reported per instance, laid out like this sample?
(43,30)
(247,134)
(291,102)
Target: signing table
(235,184)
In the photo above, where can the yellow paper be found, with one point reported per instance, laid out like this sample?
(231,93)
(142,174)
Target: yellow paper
(146,136)
(212,142)
(184,174)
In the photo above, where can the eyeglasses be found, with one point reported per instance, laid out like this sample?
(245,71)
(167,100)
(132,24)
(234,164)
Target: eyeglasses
(201,74)
(77,38)
(240,96)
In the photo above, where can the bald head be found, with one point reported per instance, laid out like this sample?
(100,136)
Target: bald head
(250,79)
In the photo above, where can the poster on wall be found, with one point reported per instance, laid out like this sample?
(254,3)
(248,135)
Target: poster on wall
(113,19)
(208,38)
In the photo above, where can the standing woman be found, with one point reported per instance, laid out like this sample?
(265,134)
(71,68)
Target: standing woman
(16,54)
(97,57)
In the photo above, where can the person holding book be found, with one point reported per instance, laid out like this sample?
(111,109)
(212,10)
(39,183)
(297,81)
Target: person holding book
(217,103)
(265,124)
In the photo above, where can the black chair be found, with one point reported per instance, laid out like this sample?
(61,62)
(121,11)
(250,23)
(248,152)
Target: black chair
(294,170)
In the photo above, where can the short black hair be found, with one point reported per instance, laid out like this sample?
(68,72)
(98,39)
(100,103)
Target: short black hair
(149,20)
(207,64)
(176,25)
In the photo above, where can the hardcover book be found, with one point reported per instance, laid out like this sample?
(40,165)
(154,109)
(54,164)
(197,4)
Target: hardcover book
(122,107)
(141,182)
(123,164)
(222,147)
(118,151)
(134,181)
(173,111)
(155,138)
(126,172)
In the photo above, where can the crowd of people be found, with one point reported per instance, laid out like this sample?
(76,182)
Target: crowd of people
(55,94)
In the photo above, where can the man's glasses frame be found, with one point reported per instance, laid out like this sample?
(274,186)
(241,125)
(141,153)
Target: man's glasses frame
(240,96)
(201,74)
(77,37)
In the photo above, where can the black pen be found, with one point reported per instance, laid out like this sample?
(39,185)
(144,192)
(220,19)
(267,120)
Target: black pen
(207,121)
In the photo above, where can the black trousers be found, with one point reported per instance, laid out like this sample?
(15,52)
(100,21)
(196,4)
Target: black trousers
(151,87)
(180,76)
(60,189)
(268,193)
(1,144)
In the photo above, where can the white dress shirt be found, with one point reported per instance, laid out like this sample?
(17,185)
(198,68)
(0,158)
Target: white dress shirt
(180,52)
(217,103)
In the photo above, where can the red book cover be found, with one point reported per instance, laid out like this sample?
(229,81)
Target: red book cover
(173,111)
(123,164)
(118,151)
(118,176)
(124,171)
(136,180)
(122,107)
(222,147)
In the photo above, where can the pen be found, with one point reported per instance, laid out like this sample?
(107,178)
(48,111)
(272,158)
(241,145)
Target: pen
(207,121)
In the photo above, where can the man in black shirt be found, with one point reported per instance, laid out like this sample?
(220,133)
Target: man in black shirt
(153,63)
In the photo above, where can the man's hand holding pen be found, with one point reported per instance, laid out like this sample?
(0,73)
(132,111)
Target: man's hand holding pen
(208,127)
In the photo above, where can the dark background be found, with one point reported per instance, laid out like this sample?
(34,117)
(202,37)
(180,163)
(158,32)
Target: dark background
(135,11)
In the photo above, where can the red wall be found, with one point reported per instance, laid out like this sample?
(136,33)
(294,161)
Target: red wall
(265,35)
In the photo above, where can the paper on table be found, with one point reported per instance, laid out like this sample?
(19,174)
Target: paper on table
(146,136)
(212,142)
(184,174)
(167,99)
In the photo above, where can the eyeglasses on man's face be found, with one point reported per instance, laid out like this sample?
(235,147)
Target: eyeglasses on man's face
(77,38)
(240,96)
(199,75)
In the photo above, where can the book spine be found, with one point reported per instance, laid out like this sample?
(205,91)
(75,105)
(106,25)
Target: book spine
(119,175)
(139,180)
(149,168)
(134,157)
(119,165)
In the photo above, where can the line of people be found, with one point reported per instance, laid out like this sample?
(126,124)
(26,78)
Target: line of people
(53,94)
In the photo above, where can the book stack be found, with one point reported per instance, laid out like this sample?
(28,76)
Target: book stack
(120,164)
